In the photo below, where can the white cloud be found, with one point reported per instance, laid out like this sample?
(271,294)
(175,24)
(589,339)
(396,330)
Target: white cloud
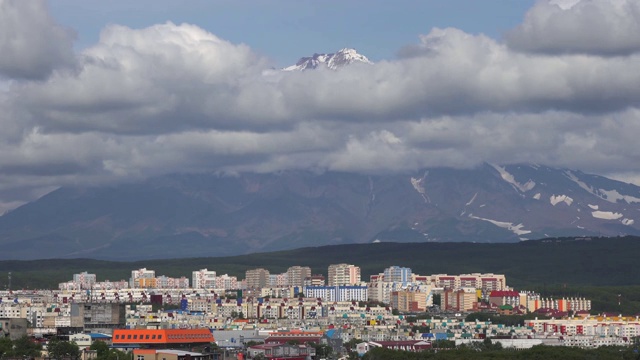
(572,26)
(31,43)
(172,98)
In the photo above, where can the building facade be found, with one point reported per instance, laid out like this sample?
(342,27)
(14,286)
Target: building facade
(297,274)
(343,274)
(257,278)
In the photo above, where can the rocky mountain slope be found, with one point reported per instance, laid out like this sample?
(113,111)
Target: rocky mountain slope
(215,215)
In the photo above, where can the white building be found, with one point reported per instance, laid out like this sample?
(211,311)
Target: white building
(337,293)
(203,279)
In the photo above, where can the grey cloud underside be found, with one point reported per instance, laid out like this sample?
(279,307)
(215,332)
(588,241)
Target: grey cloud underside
(174,98)
(595,27)
(31,43)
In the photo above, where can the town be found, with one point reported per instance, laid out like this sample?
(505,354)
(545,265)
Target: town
(269,314)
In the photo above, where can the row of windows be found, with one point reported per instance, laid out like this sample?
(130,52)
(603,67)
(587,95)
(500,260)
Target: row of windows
(159,337)
(190,336)
(135,337)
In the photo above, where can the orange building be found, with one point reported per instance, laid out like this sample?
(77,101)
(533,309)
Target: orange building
(154,338)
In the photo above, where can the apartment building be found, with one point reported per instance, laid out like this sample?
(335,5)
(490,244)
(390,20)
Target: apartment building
(97,316)
(111,285)
(380,289)
(165,282)
(142,278)
(343,274)
(398,274)
(459,300)
(337,293)
(485,282)
(257,278)
(277,280)
(227,282)
(203,279)
(503,297)
(564,304)
(314,280)
(297,274)
(409,301)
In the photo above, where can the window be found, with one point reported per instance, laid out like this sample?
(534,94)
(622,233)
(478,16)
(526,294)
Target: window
(147,337)
(160,337)
(153,336)
(140,357)
(135,336)
(129,336)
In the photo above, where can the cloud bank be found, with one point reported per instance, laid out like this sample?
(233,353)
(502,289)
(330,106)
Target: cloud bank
(560,89)
(31,43)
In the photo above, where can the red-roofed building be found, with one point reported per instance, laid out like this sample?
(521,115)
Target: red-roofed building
(160,338)
(505,297)
(468,281)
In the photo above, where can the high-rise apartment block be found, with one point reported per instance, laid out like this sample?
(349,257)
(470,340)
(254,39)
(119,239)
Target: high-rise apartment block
(257,278)
(343,274)
(84,280)
(397,274)
(297,274)
(203,279)
(142,278)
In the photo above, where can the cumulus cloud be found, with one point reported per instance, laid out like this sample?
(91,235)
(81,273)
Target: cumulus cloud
(31,43)
(175,98)
(579,26)
(166,77)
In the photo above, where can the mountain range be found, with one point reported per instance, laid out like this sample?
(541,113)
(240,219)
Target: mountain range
(194,215)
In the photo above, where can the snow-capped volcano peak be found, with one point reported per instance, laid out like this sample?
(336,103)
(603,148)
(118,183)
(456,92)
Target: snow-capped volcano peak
(332,61)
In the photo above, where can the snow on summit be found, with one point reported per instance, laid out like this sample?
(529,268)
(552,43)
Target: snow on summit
(332,61)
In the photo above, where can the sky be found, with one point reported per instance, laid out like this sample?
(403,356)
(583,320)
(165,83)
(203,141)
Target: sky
(101,92)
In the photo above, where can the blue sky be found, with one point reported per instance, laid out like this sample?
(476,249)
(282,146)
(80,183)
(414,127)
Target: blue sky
(286,30)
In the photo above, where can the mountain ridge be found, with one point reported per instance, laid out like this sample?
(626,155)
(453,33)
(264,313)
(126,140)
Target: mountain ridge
(213,214)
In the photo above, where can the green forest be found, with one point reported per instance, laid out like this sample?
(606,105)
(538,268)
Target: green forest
(603,269)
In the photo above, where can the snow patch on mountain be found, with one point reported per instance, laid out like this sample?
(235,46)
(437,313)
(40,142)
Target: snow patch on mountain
(593,207)
(613,196)
(331,61)
(418,184)
(472,199)
(606,215)
(584,186)
(560,198)
(506,176)
(516,229)
(537,196)
(627,222)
